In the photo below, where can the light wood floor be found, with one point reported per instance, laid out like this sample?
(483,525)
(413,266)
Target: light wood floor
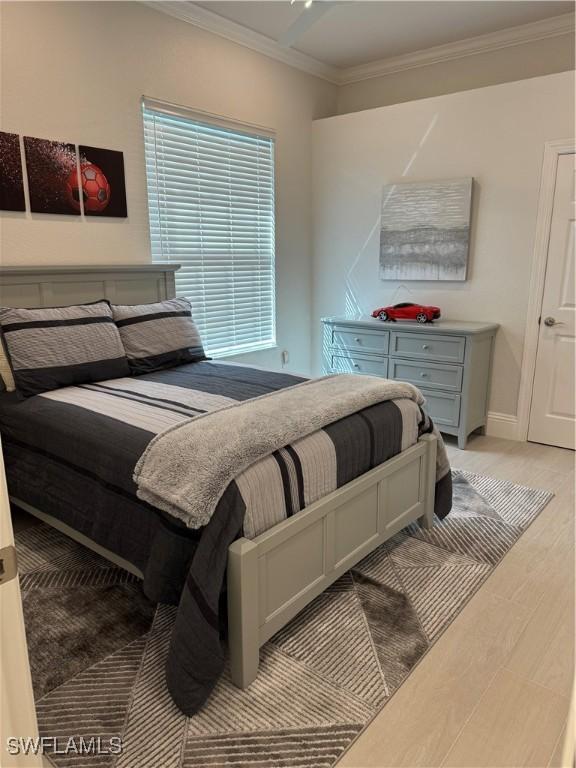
(494,690)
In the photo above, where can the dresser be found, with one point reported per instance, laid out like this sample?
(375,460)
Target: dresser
(449,361)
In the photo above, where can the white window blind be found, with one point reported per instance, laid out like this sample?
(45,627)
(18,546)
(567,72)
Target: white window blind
(211,206)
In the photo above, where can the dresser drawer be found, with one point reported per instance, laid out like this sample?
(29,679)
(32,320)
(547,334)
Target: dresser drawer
(359,364)
(361,340)
(443,408)
(430,375)
(428,346)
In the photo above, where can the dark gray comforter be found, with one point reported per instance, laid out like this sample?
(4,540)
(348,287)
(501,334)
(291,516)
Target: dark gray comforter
(76,463)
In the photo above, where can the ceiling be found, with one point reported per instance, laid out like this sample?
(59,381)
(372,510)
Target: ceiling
(346,34)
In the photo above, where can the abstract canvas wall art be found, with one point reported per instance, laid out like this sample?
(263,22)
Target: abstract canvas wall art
(52,176)
(11,178)
(103,184)
(425,230)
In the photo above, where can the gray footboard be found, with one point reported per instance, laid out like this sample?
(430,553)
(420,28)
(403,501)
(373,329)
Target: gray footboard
(274,576)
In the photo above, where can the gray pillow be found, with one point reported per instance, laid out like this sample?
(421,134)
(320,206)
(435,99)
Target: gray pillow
(57,347)
(159,335)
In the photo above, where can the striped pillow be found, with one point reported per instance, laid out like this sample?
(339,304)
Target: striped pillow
(61,346)
(160,335)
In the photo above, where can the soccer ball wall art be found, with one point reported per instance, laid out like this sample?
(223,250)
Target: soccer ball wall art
(103,186)
(62,179)
(11,179)
(49,165)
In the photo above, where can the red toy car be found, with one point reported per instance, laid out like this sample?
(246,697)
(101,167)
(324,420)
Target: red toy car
(408,311)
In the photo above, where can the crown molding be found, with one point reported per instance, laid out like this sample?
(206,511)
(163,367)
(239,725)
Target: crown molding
(493,41)
(212,22)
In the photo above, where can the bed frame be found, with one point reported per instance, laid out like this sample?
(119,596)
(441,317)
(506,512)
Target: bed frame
(274,576)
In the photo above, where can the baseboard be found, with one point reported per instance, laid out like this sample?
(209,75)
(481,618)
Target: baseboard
(502,425)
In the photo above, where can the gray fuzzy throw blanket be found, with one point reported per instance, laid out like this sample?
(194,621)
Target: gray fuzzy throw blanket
(186,469)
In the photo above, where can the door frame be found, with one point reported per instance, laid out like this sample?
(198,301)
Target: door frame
(552,151)
(17,708)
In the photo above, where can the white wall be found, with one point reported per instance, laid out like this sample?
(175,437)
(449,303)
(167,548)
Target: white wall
(77,71)
(494,134)
(504,65)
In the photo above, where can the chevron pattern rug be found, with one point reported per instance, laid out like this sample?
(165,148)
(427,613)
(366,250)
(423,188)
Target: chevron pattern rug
(98,646)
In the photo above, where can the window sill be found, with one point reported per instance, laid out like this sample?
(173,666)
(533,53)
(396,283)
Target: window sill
(247,351)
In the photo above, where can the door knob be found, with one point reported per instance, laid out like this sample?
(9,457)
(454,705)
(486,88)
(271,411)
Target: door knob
(550,321)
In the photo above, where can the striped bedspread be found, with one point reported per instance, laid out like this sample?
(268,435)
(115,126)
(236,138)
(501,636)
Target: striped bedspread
(84,442)
(291,477)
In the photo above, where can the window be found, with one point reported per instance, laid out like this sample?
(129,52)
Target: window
(211,206)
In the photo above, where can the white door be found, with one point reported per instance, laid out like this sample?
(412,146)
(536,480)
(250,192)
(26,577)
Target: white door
(17,712)
(553,411)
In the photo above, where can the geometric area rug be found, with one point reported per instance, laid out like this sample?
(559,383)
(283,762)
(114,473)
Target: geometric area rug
(98,646)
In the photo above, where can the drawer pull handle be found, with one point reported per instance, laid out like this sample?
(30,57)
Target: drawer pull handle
(425,346)
(356,365)
(423,375)
(358,340)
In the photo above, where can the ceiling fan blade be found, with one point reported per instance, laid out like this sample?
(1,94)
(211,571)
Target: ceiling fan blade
(307,18)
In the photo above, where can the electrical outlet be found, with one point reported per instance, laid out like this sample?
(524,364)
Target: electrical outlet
(285,357)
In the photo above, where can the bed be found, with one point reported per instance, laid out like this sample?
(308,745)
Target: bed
(70,458)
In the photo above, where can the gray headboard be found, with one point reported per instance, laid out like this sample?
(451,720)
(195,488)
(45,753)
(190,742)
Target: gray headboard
(55,286)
